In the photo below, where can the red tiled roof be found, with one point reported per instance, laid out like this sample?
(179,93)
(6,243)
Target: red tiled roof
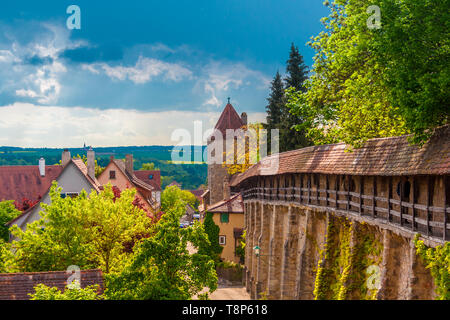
(143,175)
(197,193)
(232,205)
(17,286)
(82,167)
(132,177)
(25,182)
(174,183)
(229,119)
(384,157)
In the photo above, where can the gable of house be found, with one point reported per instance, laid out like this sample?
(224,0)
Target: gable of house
(72,179)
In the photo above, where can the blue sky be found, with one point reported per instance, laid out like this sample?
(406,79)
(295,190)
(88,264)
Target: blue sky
(162,63)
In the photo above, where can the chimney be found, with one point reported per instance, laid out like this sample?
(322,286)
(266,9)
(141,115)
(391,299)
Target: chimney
(226,188)
(91,163)
(42,167)
(65,158)
(129,164)
(244,118)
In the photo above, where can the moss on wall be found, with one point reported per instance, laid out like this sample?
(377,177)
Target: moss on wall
(348,252)
(438,261)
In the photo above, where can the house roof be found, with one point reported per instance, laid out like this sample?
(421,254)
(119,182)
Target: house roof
(197,193)
(232,205)
(144,175)
(25,182)
(229,119)
(174,183)
(79,164)
(120,163)
(82,167)
(384,157)
(17,286)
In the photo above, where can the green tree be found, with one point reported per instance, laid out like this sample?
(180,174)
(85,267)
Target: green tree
(369,83)
(90,232)
(275,102)
(148,166)
(297,73)
(240,250)
(275,107)
(7,261)
(162,267)
(296,69)
(172,195)
(212,248)
(71,292)
(7,212)
(414,48)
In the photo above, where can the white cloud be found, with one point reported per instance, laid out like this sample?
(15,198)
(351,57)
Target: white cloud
(27,125)
(143,71)
(220,78)
(41,81)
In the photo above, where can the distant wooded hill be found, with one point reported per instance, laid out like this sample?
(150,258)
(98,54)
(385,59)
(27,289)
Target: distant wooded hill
(191,176)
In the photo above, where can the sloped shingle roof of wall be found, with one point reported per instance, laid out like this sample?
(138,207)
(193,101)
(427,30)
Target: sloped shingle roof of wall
(384,157)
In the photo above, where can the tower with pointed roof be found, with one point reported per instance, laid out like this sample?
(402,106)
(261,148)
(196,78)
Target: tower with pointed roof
(217,174)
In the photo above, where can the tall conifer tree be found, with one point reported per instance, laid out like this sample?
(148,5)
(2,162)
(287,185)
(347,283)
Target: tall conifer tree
(297,74)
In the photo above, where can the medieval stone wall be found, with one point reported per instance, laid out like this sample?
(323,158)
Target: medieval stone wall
(308,253)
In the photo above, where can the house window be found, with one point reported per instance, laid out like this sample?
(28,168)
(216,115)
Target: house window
(150,176)
(112,174)
(224,218)
(222,240)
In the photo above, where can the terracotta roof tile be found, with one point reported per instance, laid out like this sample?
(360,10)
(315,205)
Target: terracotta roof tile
(229,119)
(25,182)
(143,175)
(384,157)
(232,205)
(17,286)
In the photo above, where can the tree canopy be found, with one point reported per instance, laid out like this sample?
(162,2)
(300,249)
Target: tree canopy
(162,267)
(377,82)
(90,232)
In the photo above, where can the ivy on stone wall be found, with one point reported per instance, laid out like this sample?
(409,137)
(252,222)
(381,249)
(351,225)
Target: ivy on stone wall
(341,272)
(438,261)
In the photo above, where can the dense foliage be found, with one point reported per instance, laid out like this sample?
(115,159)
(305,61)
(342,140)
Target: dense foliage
(90,232)
(162,267)
(8,212)
(212,248)
(438,261)
(71,292)
(172,195)
(278,114)
(381,82)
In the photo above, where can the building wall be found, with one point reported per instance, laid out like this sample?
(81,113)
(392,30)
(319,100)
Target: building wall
(121,181)
(236,220)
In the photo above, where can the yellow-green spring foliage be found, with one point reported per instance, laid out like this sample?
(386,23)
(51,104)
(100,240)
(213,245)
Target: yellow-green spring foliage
(438,261)
(344,261)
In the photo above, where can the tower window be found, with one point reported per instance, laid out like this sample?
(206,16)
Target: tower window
(222,240)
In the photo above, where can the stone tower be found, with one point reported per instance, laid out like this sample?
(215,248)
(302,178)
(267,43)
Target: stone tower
(217,174)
